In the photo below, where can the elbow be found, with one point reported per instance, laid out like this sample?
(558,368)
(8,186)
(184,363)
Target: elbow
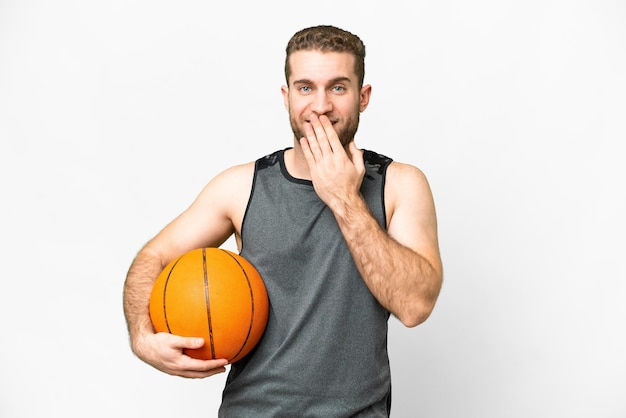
(418,309)
(415,314)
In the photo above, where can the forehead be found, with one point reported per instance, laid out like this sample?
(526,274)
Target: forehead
(320,66)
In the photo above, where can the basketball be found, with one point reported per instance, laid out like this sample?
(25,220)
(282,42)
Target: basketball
(214,294)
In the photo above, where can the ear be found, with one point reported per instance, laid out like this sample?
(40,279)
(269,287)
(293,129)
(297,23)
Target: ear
(366,92)
(285,91)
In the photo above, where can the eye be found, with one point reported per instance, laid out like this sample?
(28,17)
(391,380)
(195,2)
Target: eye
(304,89)
(338,89)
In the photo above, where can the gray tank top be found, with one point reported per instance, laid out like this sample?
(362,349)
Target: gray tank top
(324,351)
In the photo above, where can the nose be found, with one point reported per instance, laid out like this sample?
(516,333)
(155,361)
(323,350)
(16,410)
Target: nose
(321,103)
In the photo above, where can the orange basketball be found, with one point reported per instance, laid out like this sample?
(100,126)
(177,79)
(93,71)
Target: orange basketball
(214,294)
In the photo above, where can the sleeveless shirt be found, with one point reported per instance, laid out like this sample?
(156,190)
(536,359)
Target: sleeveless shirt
(324,350)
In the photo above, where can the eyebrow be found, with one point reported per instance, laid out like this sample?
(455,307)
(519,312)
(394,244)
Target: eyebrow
(331,82)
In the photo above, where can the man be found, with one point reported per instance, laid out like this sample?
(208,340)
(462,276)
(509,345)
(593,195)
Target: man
(341,236)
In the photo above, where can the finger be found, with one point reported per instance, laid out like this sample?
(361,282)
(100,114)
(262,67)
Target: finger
(312,142)
(187,342)
(197,368)
(198,365)
(198,375)
(204,370)
(356,155)
(331,135)
(321,134)
(306,150)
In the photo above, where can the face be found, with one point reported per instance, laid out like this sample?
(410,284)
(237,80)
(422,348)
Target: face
(325,83)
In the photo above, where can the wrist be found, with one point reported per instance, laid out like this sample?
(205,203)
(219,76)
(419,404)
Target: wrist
(138,340)
(346,208)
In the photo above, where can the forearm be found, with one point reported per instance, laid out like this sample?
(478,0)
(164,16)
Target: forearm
(137,288)
(163,351)
(402,280)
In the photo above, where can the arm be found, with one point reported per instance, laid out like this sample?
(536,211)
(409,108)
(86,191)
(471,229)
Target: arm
(401,266)
(216,214)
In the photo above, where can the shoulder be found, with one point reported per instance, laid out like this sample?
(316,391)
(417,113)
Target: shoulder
(223,199)
(226,186)
(232,182)
(399,172)
(239,178)
(407,185)
(237,172)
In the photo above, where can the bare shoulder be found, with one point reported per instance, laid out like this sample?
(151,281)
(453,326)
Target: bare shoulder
(230,190)
(237,177)
(219,208)
(406,184)
(399,171)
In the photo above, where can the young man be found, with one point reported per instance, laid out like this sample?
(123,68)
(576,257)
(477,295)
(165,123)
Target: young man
(341,236)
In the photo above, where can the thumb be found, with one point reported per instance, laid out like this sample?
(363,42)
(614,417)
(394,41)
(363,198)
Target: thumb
(190,342)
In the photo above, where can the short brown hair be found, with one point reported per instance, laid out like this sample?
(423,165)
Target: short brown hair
(327,38)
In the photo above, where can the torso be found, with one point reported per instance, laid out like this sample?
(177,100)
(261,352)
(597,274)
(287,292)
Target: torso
(324,323)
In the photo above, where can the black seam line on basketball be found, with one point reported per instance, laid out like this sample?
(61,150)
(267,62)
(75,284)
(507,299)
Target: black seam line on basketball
(208,302)
(167,324)
(251,299)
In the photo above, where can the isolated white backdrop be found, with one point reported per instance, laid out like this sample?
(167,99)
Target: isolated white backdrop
(114,114)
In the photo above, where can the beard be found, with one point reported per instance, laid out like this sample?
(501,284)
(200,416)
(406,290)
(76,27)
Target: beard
(345,133)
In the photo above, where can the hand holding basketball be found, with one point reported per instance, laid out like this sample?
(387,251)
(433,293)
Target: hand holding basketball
(165,352)
(213,294)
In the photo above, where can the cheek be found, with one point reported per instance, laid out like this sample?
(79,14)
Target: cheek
(297,107)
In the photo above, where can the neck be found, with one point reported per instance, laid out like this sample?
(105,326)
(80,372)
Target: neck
(296,163)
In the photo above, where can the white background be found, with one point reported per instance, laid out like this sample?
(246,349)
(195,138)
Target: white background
(114,114)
